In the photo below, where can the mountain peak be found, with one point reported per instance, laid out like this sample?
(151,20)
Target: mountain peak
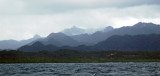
(36,36)
(74,27)
(107,29)
(73,31)
(59,33)
(142,24)
(56,34)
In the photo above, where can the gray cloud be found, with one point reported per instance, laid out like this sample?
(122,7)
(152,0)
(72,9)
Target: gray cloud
(59,6)
(21,19)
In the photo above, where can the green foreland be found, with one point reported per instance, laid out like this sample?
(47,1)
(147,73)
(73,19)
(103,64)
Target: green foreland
(72,56)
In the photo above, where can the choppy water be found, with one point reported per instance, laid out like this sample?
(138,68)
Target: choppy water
(81,69)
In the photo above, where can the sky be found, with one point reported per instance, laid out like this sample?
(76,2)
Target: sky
(22,19)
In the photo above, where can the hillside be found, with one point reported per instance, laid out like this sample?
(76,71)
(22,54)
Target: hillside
(122,43)
(130,43)
(137,29)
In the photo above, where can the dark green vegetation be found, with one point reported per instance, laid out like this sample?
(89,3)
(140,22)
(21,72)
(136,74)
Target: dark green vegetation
(67,56)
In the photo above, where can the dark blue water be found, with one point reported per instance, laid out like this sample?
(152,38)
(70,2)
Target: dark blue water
(81,69)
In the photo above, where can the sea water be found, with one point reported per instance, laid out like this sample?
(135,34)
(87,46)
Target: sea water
(81,69)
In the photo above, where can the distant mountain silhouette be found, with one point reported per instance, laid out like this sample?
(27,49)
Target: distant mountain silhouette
(127,42)
(122,43)
(58,39)
(137,29)
(9,44)
(14,44)
(97,40)
(38,46)
(73,31)
(107,29)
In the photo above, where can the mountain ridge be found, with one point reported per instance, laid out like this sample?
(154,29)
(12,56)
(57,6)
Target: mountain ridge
(120,43)
(61,39)
(137,29)
(14,44)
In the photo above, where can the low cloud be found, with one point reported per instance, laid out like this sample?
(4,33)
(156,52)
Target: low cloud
(21,19)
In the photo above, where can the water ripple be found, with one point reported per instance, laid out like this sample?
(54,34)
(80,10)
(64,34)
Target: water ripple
(81,69)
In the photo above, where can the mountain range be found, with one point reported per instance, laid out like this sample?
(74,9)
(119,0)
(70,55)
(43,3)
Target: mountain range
(149,42)
(14,44)
(63,38)
(141,36)
(58,39)
(124,38)
(73,31)
(137,29)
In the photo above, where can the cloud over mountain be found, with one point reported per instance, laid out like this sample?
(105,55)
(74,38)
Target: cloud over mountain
(26,18)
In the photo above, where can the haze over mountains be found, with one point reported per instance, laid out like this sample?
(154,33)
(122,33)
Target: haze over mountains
(139,28)
(149,42)
(73,31)
(59,39)
(141,36)
(77,31)
(14,44)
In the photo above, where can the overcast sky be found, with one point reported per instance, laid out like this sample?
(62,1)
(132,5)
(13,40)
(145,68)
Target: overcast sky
(21,19)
